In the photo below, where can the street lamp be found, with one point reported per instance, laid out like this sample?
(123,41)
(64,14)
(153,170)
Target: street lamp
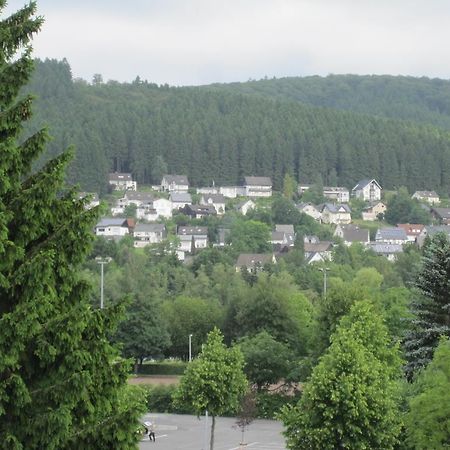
(324,270)
(190,347)
(102,262)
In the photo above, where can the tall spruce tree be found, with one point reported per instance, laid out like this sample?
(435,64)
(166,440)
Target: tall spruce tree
(431,307)
(62,385)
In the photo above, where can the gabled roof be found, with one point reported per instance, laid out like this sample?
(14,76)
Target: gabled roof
(353,233)
(318,247)
(181,197)
(215,198)
(431,230)
(425,194)
(285,228)
(150,227)
(116,176)
(411,229)
(176,179)
(335,209)
(391,234)
(200,209)
(112,222)
(257,181)
(141,196)
(363,183)
(192,231)
(253,259)
(243,202)
(442,213)
(302,206)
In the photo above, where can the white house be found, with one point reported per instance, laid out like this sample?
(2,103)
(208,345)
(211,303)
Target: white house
(430,197)
(367,190)
(112,227)
(283,235)
(122,181)
(390,251)
(175,183)
(163,207)
(318,251)
(258,186)
(336,213)
(245,206)
(254,262)
(192,238)
(149,233)
(337,194)
(310,210)
(391,235)
(180,199)
(216,200)
(232,191)
(136,198)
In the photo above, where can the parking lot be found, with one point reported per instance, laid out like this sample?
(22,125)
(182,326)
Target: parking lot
(183,432)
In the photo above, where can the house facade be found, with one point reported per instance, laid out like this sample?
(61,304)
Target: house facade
(149,233)
(245,206)
(254,262)
(258,186)
(389,251)
(441,215)
(122,181)
(373,212)
(216,200)
(351,234)
(175,183)
(337,194)
(340,213)
(412,230)
(110,227)
(317,251)
(430,197)
(163,207)
(180,199)
(192,238)
(367,190)
(310,210)
(391,235)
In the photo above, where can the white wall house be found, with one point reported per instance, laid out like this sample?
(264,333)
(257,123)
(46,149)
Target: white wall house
(430,197)
(216,200)
(111,227)
(175,183)
(337,194)
(391,235)
(93,199)
(374,211)
(245,206)
(122,181)
(180,199)
(192,238)
(336,213)
(163,207)
(310,210)
(367,190)
(258,186)
(149,233)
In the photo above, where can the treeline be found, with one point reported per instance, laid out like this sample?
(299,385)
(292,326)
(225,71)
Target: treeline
(222,136)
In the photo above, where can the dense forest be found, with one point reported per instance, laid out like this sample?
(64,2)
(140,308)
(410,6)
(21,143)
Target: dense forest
(223,133)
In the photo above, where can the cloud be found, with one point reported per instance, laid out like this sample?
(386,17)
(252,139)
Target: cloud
(203,41)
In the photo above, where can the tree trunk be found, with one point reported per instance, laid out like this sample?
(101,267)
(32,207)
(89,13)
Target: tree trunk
(213,426)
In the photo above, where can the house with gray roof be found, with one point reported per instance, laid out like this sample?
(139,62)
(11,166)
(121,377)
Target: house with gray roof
(318,251)
(216,200)
(337,194)
(431,231)
(391,235)
(258,186)
(390,251)
(337,214)
(310,210)
(175,183)
(112,228)
(149,233)
(122,181)
(192,238)
(245,206)
(351,234)
(367,190)
(441,215)
(254,262)
(180,199)
(431,197)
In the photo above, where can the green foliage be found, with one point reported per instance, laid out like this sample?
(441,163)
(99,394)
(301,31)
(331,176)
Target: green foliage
(213,382)
(430,305)
(269,404)
(162,368)
(266,360)
(250,236)
(428,420)
(350,400)
(401,208)
(62,384)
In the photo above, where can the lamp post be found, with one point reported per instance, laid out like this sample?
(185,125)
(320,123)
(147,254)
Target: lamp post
(324,270)
(190,347)
(102,262)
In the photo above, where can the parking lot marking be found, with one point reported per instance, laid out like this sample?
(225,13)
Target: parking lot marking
(245,446)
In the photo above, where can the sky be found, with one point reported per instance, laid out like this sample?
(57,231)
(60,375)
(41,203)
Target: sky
(195,42)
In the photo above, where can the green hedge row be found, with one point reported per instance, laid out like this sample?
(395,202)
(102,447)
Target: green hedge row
(159,399)
(176,368)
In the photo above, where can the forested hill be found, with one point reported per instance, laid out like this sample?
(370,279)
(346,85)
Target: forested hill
(221,135)
(418,99)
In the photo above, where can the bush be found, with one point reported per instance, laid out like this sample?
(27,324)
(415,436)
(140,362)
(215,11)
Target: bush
(159,399)
(269,404)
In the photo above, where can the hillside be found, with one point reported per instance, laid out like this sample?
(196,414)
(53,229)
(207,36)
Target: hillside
(222,135)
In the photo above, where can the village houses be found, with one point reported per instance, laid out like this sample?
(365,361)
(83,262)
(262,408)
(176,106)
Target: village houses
(337,194)
(180,199)
(192,238)
(374,212)
(367,190)
(431,197)
(175,183)
(216,200)
(113,228)
(254,262)
(258,186)
(351,234)
(310,210)
(331,213)
(122,181)
(149,233)
(245,206)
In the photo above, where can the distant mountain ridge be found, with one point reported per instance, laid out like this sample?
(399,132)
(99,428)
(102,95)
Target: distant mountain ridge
(224,132)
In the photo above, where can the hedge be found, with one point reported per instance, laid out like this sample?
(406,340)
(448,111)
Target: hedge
(175,368)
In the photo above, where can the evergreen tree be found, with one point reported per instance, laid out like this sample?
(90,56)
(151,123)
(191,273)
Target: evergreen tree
(431,307)
(350,400)
(62,385)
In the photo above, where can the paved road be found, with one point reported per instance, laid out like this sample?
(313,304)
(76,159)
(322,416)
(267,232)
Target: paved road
(182,432)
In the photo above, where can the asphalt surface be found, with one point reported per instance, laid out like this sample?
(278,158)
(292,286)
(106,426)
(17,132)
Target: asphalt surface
(182,432)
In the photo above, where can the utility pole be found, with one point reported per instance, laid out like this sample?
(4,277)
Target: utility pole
(102,262)
(324,270)
(190,347)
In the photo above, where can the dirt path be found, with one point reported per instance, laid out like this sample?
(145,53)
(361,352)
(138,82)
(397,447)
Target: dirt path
(154,379)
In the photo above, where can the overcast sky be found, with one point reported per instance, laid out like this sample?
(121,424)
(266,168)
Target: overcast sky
(191,42)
